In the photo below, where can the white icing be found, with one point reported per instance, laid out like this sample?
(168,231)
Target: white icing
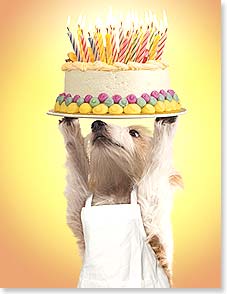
(123,82)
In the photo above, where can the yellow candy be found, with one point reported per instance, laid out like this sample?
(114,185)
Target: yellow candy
(72,56)
(85,108)
(63,107)
(72,108)
(178,106)
(168,107)
(100,109)
(160,107)
(132,109)
(149,109)
(173,105)
(115,109)
(57,107)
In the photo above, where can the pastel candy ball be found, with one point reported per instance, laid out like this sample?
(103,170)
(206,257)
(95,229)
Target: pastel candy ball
(123,102)
(155,94)
(175,97)
(173,105)
(116,109)
(131,98)
(80,101)
(68,95)
(168,106)
(100,109)
(87,98)
(160,107)
(178,106)
(148,109)
(60,99)
(153,100)
(73,108)
(63,107)
(102,97)
(62,94)
(116,98)
(75,98)
(57,107)
(146,97)
(109,101)
(171,92)
(68,100)
(132,109)
(141,102)
(94,101)
(161,97)
(169,97)
(163,92)
(85,108)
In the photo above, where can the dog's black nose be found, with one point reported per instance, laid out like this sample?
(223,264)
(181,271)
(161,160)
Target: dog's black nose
(97,125)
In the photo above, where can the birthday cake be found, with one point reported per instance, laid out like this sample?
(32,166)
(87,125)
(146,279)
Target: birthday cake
(121,72)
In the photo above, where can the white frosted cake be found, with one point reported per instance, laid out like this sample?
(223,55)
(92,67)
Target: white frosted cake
(129,80)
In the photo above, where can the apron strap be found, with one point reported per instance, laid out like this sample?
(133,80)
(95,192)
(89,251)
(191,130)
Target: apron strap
(133,198)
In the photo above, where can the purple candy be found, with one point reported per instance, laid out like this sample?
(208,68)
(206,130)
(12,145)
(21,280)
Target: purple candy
(116,98)
(87,98)
(163,92)
(131,98)
(155,94)
(171,92)
(75,98)
(102,97)
(62,94)
(146,97)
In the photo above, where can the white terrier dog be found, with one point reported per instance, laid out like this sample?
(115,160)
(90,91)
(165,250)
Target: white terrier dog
(109,162)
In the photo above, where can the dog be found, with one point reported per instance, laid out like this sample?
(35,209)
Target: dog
(109,162)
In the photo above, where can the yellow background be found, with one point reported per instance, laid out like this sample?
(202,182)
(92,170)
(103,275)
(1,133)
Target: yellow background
(37,248)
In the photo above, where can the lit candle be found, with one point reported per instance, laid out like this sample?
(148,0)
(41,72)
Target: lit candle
(121,35)
(101,47)
(113,44)
(93,47)
(162,40)
(123,48)
(143,46)
(72,40)
(135,46)
(84,47)
(108,48)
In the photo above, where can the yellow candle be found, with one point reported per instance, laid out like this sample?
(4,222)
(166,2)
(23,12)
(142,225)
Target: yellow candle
(154,46)
(79,34)
(101,47)
(108,48)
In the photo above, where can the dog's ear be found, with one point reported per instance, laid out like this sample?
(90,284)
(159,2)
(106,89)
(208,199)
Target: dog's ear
(176,181)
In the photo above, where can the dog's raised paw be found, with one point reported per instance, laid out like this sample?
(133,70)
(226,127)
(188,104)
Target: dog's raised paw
(67,120)
(166,120)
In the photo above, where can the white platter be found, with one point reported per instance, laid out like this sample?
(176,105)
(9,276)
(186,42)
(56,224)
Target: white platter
(112,116)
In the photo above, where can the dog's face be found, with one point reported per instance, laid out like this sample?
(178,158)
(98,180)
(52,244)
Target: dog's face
(117,154)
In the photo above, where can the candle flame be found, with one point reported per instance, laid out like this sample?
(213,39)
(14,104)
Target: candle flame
(68,21)
(165,21)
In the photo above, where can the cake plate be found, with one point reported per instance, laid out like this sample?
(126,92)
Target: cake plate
(114,116)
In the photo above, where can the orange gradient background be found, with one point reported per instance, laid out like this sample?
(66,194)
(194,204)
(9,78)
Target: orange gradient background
(37,247)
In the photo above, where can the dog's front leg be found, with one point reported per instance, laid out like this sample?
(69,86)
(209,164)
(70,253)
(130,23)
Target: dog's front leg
(77,176)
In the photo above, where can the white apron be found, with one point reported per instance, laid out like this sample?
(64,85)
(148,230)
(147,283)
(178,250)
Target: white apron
(116,252)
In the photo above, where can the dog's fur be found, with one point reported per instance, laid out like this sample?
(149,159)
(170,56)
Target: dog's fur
(109,162)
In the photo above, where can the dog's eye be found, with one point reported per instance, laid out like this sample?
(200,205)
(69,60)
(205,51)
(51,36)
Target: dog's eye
(134,133)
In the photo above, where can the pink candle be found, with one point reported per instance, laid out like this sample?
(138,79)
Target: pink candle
(114,47)
(121,35)
(143,46)
(161,45)
(85,49)
(123,48)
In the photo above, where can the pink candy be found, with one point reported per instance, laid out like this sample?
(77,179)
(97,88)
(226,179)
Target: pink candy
(116,98)
(131,98)
(62,94)
(146,97)
(87,98)
(163,92)
(171,92)
(75,98)
(155,94)
(102,97)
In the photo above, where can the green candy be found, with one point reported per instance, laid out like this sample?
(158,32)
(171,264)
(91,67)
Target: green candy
(80,101)
(94,102)
(68,101)
(153,101)
(169,97)
(141,102)
(60,99)
(109,101)
(123,102)
(175,97)
(161,97)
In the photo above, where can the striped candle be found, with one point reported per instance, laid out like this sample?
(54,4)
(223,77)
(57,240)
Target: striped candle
(108,48)
(114,46)
(161,45)
(101,47)
(123,48)
(84,48)
(93,47)
(135,47)
(143,46)
(97,44)
(152,53)
(132,45)
(121,35)
(74,45)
